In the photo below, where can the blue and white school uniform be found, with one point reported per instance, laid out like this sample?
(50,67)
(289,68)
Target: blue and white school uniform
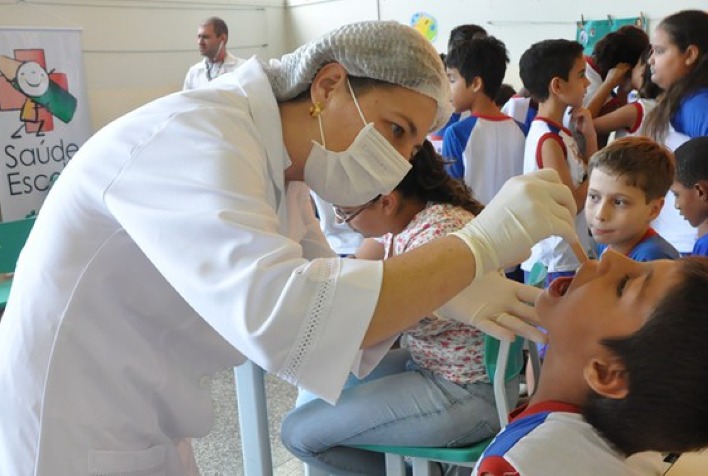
(486,152)
(520,109)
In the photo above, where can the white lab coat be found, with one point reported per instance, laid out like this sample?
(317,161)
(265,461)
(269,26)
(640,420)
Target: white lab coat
(170,248)
(197,76)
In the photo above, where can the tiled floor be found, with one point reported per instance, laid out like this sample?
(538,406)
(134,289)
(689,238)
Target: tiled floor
(219,453)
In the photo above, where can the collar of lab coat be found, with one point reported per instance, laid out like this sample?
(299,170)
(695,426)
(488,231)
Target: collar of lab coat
(264,111)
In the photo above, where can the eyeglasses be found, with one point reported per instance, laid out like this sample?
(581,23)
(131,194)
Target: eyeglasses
(346,217)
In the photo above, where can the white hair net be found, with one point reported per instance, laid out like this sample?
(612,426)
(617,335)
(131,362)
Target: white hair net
(383,50)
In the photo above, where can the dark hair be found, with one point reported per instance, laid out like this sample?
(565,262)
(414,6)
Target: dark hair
(506,91)
(464,33)
(546,60)
(218,24)
(692,162)
(428,181)
(642,162)
(685,28)
(649,89)
(622,46)
(667,363)
(481,57)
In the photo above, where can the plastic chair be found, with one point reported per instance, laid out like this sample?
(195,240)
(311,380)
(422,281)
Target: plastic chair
(13,235)
(503,361)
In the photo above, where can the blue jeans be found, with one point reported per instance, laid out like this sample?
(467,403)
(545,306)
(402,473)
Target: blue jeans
(397,404)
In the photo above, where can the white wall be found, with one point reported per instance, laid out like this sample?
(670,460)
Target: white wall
(139,50)
(518,23)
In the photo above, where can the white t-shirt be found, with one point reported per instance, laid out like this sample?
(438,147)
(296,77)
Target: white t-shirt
(201,73)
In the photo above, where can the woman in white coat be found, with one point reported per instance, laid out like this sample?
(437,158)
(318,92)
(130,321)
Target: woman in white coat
(180,240)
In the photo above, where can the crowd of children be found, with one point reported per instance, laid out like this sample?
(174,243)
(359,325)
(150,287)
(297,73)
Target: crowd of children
(626,129)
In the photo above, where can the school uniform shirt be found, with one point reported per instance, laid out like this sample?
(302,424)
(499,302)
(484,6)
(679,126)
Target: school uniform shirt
(201,73)
(486,152)
(436,138)
(651,247)
(550,438)
(170,248)
(554,252)
(689,121)
(643,107)
(520,109)
(701,246)
(450,349)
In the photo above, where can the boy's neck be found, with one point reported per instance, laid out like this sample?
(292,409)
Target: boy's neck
(560,381)
(626,247)
(553,109)
(703,228)
(485,106)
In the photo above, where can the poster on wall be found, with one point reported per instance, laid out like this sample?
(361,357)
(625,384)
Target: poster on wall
(426,24)
(590,32)
(44,115)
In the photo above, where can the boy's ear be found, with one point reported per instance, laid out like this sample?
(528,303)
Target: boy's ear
(655,207)
(477,84)
(327,80)
(554,87)
(607,376)
(701,188)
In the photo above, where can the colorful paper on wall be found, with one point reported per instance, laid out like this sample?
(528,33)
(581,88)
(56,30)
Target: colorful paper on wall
(590,32)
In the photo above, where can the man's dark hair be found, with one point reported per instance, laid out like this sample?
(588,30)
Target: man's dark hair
(484,57)
(218,24)
(546,60)
(666,362)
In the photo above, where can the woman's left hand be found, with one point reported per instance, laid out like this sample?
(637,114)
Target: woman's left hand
(497,306)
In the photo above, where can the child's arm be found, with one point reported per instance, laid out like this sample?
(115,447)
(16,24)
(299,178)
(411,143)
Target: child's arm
(615,77)
(623,118)
(552,156)
(370,249)
(583,124)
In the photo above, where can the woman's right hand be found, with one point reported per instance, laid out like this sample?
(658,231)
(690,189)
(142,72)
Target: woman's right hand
(527,209)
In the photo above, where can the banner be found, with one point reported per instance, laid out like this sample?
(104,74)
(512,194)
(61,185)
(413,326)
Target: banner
(591,31)
(44,116)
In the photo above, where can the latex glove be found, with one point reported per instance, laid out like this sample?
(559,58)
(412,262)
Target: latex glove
(527,209)
(497,306)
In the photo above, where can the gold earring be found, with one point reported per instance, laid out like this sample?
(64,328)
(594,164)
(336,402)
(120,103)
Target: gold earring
(316,109)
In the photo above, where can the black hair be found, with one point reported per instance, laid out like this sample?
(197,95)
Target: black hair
(218,24)
(480,57)
(546,60)
(640,161)
(685,28)
(622,46)
(506,91)
(428,181)
(667,363)
(692,161)
(464,33)
(649,89)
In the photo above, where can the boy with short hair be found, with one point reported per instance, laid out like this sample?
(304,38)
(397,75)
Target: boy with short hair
(554,73)
(606,389)
(628,182)
(487,147)
(690,188)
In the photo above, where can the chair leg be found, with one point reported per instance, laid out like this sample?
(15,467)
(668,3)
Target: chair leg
(422,467)
(312,471)
(395,465)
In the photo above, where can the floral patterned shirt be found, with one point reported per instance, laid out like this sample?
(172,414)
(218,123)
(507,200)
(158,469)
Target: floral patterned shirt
(447,348)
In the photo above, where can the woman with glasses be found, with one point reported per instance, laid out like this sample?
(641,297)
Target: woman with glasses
(433,390)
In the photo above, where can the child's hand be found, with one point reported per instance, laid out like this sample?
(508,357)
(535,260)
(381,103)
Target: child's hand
(618,74)
(582,120)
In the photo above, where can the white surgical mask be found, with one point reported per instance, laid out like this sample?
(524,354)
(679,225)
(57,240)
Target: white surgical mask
(371,166)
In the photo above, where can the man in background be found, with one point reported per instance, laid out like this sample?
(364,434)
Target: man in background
(212,36)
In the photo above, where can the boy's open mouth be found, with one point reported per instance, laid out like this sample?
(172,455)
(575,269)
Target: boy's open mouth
(560,286)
